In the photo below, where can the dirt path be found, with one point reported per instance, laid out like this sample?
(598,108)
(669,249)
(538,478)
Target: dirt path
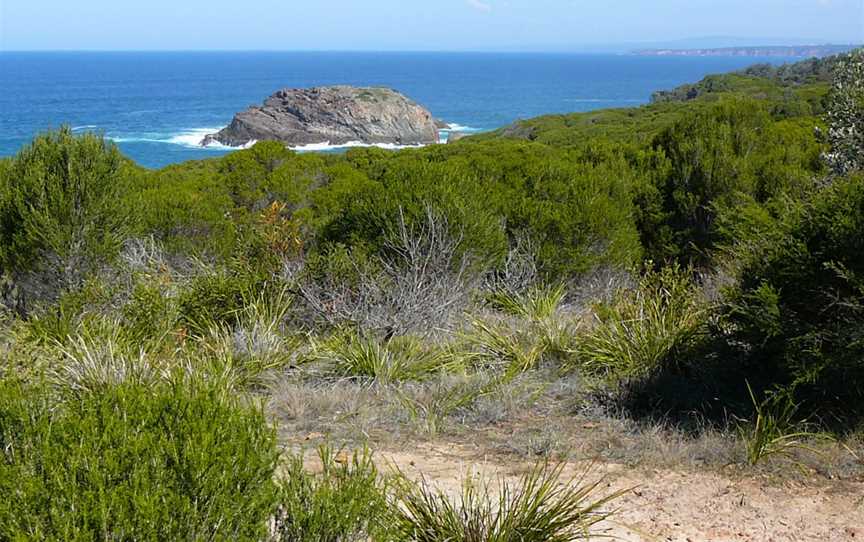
(676,506)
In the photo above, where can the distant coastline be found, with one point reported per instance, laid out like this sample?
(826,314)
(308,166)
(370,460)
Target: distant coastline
(762,51)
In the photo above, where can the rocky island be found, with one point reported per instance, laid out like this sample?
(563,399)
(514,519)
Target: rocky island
(331,115)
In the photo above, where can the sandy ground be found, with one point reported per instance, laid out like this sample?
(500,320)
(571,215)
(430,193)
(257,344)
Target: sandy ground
(666,505)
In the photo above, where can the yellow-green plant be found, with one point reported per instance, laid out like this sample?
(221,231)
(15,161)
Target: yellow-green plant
(774,430)
(538,508)
(643,328)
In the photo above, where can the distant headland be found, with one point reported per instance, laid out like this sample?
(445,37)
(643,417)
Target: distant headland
(808,51)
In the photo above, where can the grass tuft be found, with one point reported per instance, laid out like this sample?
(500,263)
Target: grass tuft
(539,508)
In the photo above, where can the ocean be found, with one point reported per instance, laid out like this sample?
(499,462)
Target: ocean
(158,106)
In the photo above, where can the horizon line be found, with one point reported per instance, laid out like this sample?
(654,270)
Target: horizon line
(585,49)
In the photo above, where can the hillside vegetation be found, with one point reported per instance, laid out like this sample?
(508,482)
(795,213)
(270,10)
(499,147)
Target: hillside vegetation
(698,260)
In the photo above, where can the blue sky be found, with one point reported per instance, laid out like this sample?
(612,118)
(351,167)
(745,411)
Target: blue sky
(414,24)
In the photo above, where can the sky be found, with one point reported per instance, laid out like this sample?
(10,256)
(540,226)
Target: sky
(412,25)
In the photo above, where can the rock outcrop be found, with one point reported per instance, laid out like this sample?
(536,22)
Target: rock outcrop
(334,115)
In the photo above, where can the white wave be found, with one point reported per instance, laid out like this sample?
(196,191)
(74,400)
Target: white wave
(193,137)
(456,127)
(190,138)
(326,146)
(605,100)
(84,127)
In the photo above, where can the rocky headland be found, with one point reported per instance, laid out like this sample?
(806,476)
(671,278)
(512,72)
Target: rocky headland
(331,115)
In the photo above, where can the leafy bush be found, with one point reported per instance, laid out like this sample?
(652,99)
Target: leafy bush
(59,211)
(178,461)
(846,115)
(718,159)
(539,508)
(799,309)
(346,502)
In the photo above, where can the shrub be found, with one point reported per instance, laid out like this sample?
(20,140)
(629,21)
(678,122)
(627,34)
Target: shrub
(345,502)
(59,211)
(178,461)
(216,298)
(846,115)
(539,508)
(797,314)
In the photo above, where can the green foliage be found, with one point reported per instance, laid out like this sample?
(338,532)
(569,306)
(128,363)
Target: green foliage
(178,461)
(538,508)
(393,360)
(59,207)
(217,297)
(345,502)
(846,115)
(729,155)
(799,308)
(775,431)
(646,329)
(537,304)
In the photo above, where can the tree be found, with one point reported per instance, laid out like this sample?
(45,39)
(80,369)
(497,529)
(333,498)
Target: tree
(846,115)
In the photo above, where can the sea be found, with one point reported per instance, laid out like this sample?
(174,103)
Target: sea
(157,106)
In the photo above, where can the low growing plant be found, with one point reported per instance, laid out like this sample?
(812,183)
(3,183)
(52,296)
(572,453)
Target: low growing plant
(178,460)
(644,328)
(539,508)
(345,502)
(775,431)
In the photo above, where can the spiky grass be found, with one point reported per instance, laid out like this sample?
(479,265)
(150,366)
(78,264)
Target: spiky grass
(393,360)
(539,508)
(642,328)
(775,430)
(507,349)
(535,304)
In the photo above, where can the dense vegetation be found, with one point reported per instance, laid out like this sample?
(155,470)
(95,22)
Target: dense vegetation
(144,311)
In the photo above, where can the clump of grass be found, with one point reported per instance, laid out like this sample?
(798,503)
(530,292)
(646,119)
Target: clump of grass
(430,407)
(539,508)
(89,365)
(535,304)
(255,344)
(514,351)
(775,430)
(395,359)
(345,502)
(643,328)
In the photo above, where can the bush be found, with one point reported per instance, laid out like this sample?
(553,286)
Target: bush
(799,309)
(59,211)
(176,461)
(346,502)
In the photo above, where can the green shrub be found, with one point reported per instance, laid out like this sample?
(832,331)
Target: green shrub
(216,298)
(178,461)
(345,502)
(797,314)
(59,205)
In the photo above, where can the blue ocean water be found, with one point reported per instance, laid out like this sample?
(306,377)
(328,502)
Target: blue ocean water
(157,106)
